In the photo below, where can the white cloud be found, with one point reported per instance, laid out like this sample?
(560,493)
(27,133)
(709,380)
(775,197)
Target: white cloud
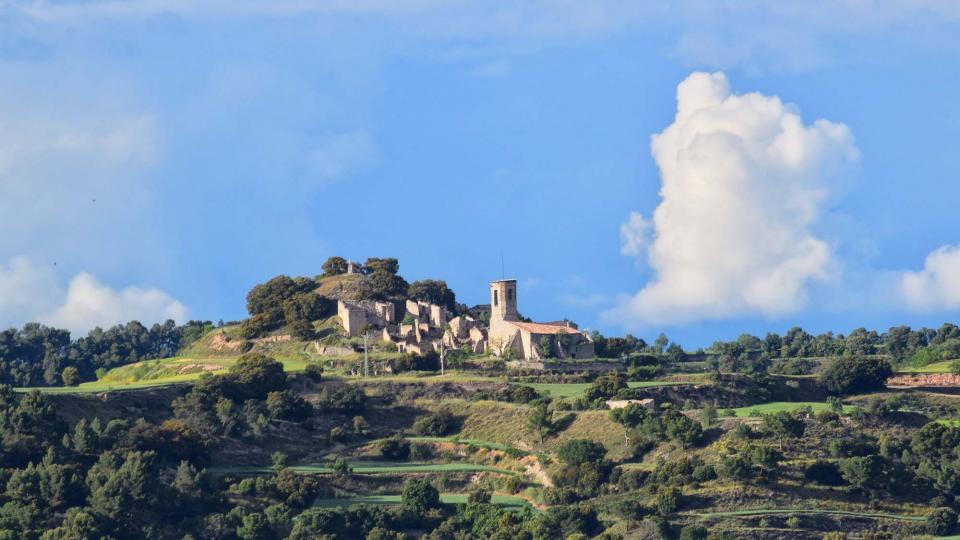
(31,292)
(937,286)
(743,182)
(341,154)
(634,235)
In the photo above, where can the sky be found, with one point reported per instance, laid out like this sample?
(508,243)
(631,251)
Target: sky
(697,168)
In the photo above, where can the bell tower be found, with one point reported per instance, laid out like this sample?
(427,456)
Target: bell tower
(503,300)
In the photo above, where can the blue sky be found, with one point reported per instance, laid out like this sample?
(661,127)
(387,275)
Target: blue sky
(160,158)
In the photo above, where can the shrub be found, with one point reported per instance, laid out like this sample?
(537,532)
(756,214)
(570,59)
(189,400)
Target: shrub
(693,532)
(395,448)
(855,374)
(421,452)
(418,496)
(434,425)
(346,399)
(314,372)
(667,499)
(824,472)
(581,451)
(288,405)
(942,521)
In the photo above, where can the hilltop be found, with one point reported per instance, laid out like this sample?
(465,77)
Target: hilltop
(289,425)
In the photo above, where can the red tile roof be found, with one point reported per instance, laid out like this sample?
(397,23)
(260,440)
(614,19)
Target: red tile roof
(543,328)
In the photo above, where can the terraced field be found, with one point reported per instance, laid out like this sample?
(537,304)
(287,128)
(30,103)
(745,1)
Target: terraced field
(507,501)
(575,390)
(371,467)
(809,511)
(755,411)
(160,372)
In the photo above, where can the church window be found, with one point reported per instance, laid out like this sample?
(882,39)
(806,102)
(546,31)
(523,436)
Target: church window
(496,298)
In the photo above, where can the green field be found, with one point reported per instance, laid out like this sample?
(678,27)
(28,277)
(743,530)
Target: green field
(506,501)
(372,467)
(574,390)
(160,372)
(936,367)
(775,511)
(754,411)
(468,442)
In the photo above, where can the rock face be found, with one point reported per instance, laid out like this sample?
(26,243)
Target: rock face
(925,379)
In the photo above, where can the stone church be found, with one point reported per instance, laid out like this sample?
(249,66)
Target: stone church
(511,337)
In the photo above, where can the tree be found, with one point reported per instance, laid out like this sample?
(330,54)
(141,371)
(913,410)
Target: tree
(334,266)
(868,474)
(434,291)
(70,376)
(581,451)
(418,496)
(855,374)
(606,386)
(254,375)
(540,419)
(629,417)
(254,527)
(269,297)
(300,310)
(708,416)
(680,427)
(279,461)
(942,521)
(660,344)
(783,424)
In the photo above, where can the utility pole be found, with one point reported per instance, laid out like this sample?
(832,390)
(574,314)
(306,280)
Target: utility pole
(443,352)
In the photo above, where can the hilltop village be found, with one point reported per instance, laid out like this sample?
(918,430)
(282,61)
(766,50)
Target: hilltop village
(356,404)
(496,327)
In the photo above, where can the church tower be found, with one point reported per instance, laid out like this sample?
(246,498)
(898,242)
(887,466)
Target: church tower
(503,300)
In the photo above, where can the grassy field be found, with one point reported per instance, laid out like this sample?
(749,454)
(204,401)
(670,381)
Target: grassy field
(776,511)
(468,442)
(160,372)
(936,367)
(754,411)
(574,390)
(506,501)
(373,467)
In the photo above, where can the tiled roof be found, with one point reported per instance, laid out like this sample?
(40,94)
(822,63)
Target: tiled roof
(541,328)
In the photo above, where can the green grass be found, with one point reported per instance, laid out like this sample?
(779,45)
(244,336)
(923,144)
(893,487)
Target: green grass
(160,372)
(773,511)
(372,467)
(575,390)
(468,442)
(506,501)
(936,367)
(754,411)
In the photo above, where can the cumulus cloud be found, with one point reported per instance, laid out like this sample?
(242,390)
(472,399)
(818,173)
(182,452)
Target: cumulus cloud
(937,286)
(634,235)
(743,182)
(31,292)
(340,154)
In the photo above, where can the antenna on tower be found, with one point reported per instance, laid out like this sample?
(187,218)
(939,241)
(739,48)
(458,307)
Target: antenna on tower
(503,273)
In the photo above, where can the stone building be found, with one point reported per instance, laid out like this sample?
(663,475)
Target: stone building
(509,336)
